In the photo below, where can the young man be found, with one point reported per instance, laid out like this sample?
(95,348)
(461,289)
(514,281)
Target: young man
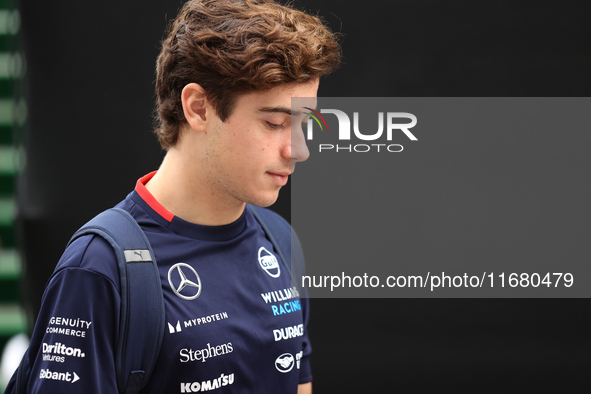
(225,77)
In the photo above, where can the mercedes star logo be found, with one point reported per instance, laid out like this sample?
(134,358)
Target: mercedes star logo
(187,288)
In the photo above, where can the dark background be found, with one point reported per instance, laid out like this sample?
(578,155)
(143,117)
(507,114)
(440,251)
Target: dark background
(90,72)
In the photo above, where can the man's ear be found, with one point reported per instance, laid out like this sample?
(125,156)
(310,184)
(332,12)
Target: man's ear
(195,106)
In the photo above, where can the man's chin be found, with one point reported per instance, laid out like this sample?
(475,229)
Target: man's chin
(264,201)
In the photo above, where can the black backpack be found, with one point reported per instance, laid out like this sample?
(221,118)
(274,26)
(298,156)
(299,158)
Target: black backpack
(136,355)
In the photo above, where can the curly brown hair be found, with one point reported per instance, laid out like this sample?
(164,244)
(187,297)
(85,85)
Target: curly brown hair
(231,47)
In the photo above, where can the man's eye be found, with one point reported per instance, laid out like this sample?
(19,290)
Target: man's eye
(274,126)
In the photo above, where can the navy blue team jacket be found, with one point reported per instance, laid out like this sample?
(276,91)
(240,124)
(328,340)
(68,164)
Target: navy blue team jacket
(235,323)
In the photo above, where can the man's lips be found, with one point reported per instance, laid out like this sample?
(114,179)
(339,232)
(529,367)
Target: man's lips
(280,178)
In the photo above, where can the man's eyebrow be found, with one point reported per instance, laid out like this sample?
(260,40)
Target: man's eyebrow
(279,109)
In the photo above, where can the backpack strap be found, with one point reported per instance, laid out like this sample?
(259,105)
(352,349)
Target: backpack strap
(284,239)
(142,303)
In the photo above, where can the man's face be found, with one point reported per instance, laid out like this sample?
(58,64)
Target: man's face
(250,156)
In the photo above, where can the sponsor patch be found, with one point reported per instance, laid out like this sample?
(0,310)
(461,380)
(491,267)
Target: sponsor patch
(58,352)
(67,326)
(287,307)
(184,281)
(287,361)
(187,355)
(269,263)
(288,332)
(206,385)
(63,376)
(173,328)
(280,295)
(284,363)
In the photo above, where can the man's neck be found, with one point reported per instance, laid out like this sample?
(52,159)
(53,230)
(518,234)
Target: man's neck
(182,190)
